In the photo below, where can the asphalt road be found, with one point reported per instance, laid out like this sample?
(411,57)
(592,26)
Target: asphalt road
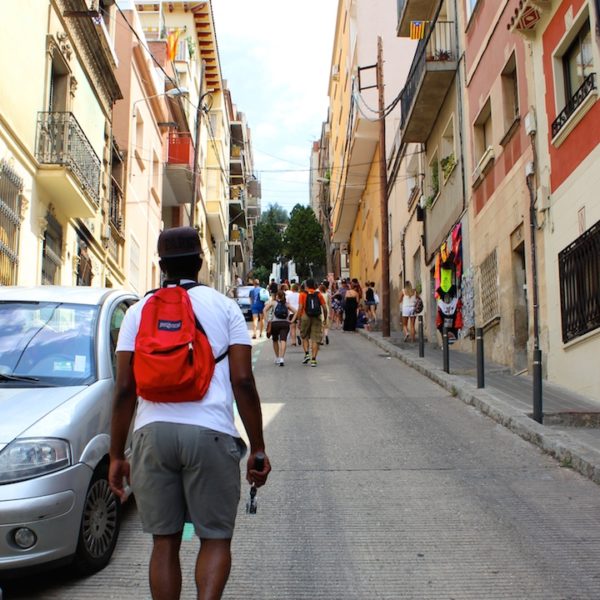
(384,487)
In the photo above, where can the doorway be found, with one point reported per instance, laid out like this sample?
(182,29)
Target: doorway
(520,314)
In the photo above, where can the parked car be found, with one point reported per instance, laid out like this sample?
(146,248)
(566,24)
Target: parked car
(241,294)
(57,372)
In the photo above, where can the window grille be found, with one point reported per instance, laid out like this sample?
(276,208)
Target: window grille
(579,272)
(11,186)
(488,292)
(52,251)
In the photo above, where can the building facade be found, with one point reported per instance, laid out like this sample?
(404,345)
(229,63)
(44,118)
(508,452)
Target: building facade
(56,145)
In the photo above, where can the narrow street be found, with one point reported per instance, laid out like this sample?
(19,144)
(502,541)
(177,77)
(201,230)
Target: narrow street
(384,487)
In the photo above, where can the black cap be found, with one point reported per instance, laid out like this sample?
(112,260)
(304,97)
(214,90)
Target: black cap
(179,241)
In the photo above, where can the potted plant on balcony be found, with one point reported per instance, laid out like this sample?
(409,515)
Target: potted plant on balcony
(442,55)
(448,163)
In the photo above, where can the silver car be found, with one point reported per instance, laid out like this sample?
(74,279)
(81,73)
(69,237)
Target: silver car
(57,372)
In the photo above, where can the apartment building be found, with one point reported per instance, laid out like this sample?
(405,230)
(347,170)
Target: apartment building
(427,166)
(564,38)
(56,144)
(353,131)
(499,155)
(196,178)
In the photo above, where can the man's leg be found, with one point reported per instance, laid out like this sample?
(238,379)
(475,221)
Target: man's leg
(212,568)
(165,570)
(261,323)
(254,321)
(315,349)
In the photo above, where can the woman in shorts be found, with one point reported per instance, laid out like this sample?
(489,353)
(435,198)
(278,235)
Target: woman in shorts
(278,324)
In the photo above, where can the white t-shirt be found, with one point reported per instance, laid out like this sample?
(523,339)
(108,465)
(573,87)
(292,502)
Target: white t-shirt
(292,298)
(225,326)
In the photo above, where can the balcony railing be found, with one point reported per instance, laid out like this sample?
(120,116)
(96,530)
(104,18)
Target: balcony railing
(181,149)
(584,90)
(437,47)
(61,141)
(579,274)
(116,206)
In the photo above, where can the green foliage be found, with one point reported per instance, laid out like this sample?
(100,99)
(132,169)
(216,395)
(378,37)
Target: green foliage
(262,274)
(268,241)
(303,242)
(448,163)
(279,214)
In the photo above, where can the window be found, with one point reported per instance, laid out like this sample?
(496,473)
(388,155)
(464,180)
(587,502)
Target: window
(510,92)
(58,95)
(488,292)
(579,275)
(84,264)
(11,186)
(578,61)
(483,131)
(448,160)
(470,4)
(155,177)
(52,251)
(576,86)
(433,180)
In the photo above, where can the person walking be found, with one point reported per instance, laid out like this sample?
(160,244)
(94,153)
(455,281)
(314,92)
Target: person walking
(408,299)
(324,289)
(186,449)
(370,301)
(311,309)
(351,308)
(292,297)
(277,313)
(257,297)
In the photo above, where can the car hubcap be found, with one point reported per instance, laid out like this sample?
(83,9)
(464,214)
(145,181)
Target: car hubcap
(99,518)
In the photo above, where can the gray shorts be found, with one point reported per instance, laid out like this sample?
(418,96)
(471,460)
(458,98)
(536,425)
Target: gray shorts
(185,473)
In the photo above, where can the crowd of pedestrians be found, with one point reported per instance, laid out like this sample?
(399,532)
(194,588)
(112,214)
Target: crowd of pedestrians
(303,314)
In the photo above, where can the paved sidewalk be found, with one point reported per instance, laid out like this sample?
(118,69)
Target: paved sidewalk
(571,429)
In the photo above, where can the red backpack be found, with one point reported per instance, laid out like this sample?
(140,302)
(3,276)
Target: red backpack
(173,359)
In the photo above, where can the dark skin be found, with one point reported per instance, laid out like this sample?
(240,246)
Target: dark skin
(214,558)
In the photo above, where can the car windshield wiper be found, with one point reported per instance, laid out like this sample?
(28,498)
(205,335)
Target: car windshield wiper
(6,377)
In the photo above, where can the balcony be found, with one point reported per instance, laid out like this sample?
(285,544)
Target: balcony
(69,168)
(236,165)
(414,10)
(177,183)
(237,214)
(575,109)
(236,245)
(431,75)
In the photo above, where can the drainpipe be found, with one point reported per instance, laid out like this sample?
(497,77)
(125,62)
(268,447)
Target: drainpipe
(530,176)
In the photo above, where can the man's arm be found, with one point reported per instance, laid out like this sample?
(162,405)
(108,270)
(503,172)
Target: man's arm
(124,400)
(248,403)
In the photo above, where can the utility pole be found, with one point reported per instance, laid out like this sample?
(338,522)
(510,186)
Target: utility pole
(385,253)
(197,148)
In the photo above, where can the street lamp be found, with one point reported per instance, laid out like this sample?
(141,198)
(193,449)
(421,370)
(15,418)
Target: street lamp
(175,92)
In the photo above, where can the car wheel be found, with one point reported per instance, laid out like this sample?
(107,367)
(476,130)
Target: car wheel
(100,524)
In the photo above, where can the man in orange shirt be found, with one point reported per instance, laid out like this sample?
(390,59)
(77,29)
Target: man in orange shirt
(311,308)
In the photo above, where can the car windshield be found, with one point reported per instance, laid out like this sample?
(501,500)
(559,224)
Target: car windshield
(47,341)
(242,292)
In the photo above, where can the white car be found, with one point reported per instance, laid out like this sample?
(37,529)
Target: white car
(57,372)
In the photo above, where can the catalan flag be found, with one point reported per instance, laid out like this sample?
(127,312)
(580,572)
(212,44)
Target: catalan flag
(417,30)
(172,40)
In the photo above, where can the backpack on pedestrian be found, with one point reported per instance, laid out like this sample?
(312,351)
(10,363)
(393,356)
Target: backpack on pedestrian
(313,306)
(173,359)
(281,310)
(263,295)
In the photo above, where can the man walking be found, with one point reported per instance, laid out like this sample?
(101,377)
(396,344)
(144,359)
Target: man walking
(257,299)
(186,453)
(311,307)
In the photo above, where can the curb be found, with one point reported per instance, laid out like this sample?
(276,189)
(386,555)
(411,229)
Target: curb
(560,445)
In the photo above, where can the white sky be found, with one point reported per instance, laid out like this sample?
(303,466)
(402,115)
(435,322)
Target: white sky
(276,57)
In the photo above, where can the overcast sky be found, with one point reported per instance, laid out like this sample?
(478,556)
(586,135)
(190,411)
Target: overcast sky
(276,57)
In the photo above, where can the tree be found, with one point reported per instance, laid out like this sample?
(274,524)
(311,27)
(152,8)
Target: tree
(279,214)
(303,242)
(268,242)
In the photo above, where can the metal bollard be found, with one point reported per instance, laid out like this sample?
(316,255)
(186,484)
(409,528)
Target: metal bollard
(538,413)
(446,350)
(421,338)
(480,358)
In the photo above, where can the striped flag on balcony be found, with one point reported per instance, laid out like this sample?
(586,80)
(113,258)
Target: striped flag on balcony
(417,30)
(172,40)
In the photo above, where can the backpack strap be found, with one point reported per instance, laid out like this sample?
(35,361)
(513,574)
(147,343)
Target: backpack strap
(188,286)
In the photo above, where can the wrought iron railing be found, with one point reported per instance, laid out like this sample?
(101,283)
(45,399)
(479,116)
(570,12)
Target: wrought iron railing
(61,141)
(11,186)
(574,103)
(438,45)
(579,271)
(116,206)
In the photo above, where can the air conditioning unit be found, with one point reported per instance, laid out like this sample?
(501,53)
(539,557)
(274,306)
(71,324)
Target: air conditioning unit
(335,72)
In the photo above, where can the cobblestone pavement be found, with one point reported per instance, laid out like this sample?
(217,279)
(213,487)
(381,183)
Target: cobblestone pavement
(384,487)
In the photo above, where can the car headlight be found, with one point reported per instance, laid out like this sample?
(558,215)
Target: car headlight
(28,458)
